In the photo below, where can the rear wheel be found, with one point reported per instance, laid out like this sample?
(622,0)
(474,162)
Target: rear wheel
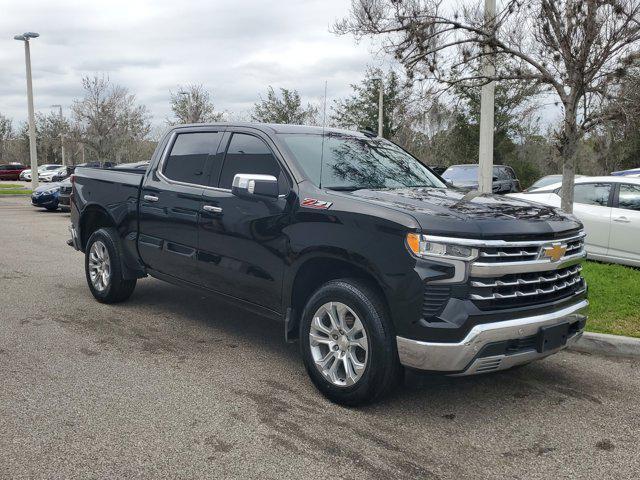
(347,342)
(103,267)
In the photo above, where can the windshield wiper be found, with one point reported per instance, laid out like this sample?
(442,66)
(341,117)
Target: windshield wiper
(347,188)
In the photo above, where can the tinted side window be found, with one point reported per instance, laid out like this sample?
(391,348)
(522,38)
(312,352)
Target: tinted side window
(249,154)
(629,196)
(592,193)
(189,154)
(500,173)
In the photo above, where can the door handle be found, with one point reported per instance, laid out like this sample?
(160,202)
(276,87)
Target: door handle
(621,219)
(211,208)
(150,198)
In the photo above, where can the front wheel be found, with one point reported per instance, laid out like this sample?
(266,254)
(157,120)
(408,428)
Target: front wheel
(103,267)
(348,344)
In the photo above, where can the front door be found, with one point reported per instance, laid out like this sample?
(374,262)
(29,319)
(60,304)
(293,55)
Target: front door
(170,204)
(242,247)
(625,223)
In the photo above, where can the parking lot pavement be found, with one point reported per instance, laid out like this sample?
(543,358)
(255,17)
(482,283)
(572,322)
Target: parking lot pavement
(172,384)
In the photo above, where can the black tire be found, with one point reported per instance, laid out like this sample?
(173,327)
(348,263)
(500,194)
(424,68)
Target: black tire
(382,371)
(117,289)
(52,209)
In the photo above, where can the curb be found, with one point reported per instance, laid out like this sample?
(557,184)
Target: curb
(608,345)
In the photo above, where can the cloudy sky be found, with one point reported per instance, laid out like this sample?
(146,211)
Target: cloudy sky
(236,48)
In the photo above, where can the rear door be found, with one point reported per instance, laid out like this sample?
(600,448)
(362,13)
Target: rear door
(170,203)
(625,223)
(592,205)
(242,245)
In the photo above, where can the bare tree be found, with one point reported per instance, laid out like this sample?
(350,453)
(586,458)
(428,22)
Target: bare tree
(192,104)
(579,50)
(108,119)
(6,135)
(287,108)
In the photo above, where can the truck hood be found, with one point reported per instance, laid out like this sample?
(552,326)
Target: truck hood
(449,212)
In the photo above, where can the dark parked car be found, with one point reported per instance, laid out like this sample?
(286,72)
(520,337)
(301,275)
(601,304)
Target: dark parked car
(64,196)
(58,177)
(370,261)
(466,177)
(11,171)
(46,196)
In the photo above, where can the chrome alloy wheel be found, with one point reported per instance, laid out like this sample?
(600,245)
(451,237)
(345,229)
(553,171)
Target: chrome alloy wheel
(339,344)
(99,266)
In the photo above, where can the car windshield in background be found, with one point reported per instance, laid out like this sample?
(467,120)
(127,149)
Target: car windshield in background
(352,163)
(546,181)
(461,174)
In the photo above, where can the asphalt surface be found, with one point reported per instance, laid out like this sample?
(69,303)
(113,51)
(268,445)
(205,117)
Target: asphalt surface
(172,384)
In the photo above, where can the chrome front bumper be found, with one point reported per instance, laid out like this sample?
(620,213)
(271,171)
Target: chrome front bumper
(461,358)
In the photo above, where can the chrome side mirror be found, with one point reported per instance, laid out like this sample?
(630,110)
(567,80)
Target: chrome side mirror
(250,185)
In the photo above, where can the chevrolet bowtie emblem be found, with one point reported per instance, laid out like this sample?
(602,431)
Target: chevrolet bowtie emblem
(555,252)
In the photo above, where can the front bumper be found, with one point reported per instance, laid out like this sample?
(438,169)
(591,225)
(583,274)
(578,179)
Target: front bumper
(44,200)
(474,355)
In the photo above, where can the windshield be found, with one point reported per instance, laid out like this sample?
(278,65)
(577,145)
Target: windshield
(461,174)
(352,163)
(546,181)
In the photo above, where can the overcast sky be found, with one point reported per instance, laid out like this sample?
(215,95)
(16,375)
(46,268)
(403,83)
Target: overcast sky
(236,48)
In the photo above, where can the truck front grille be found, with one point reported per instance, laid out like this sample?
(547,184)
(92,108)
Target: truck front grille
(521,252)
(524,289)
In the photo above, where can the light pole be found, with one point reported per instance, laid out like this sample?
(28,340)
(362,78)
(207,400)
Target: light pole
(61,132)
(188,97)
(25,37)
(380,108)
(485,169)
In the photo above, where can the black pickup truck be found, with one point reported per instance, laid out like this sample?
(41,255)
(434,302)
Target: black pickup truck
(363,253)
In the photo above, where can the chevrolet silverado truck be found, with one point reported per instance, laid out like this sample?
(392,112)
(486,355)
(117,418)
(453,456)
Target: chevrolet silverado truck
(364,254)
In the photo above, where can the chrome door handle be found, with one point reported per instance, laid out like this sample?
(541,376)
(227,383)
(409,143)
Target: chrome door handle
(150,198)
(621,219)
(211,208)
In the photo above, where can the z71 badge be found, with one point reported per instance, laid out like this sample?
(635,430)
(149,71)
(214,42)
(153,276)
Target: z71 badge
(314,203)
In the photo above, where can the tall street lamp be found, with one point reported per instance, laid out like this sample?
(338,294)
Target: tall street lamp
(61,132)
(380,107)
(487,108)
(25,37)
(187,96)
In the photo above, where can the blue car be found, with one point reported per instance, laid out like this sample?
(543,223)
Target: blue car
(46,196)
(626,173)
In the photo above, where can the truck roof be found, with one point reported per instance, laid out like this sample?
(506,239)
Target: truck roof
(276,128)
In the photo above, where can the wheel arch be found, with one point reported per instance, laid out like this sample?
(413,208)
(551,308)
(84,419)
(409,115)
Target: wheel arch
(93,217)
(314,270)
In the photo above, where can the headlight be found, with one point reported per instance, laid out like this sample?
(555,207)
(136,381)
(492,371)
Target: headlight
(422,247)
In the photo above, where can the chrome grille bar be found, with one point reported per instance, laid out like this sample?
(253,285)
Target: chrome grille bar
(502,253)
(537,291)
(523,281)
